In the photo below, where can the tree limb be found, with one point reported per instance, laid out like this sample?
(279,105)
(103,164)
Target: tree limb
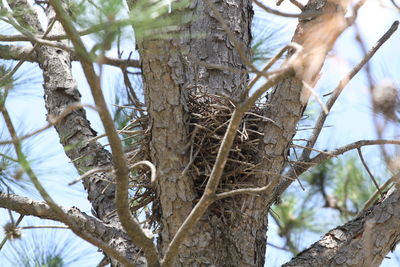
(15,52)
(41,209)
(342,84)
(284,184)
(64,217)
(129,223)
(363,241)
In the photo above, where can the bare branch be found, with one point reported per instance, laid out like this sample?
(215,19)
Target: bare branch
(51,123)
(129,223)
(342,84)
(40,209)
(368,170)
(303,15)
(249,191)
(272,61)
(89,173)
(14,52)
(152,169)
(304,159)
(63,217)
(58,37)
(341,150)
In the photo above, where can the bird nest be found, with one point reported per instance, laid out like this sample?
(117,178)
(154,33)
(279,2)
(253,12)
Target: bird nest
(209,116)
(209,119)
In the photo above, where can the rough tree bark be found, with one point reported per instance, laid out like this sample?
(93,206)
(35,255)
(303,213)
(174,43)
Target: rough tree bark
(172,68)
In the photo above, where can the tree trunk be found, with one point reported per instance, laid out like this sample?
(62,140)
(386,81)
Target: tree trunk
(173,68)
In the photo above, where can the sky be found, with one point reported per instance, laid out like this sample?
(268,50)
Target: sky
(351,116)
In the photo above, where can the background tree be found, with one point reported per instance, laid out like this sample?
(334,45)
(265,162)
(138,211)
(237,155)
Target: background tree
(197,165)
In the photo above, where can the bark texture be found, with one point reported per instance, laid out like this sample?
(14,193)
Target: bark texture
(40,209)
(171,69)
(364,241)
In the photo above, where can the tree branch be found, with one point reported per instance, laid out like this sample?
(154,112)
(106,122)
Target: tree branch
(41,209)
(284,184)
(363,241)
(356,145)
(14,52)
(129,223)
(303,15)
(342,84)
(64,217)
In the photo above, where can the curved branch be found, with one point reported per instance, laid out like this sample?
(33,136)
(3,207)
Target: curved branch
(153,170)
(342,84)
(83,222)
(356,145)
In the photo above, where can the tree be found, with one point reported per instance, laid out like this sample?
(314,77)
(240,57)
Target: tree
(209,155)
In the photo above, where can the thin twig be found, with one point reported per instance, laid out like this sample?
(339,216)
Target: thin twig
(90,172)
(341,150)
(322,116)
(302,15)
(367,204)
(271,62)
(249,191)
(369,171)
(153,178)
(25,58)
(319,100)
(52,122)
(44,227)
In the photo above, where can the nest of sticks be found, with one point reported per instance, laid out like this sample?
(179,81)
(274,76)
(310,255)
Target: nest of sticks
(209,119)
(136,138)
(209,116)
